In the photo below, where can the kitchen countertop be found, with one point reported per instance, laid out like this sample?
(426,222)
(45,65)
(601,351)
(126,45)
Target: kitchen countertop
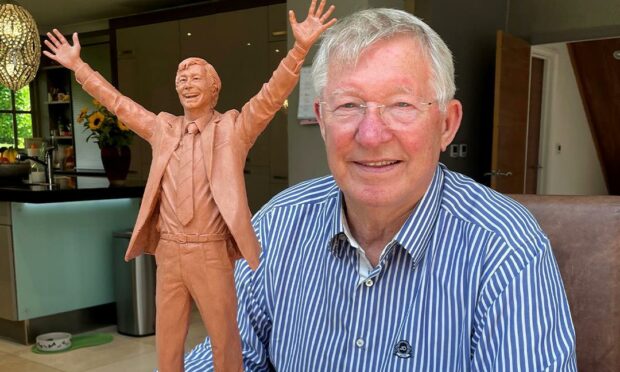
(69,188)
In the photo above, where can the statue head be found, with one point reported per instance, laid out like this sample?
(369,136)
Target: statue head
(197,84)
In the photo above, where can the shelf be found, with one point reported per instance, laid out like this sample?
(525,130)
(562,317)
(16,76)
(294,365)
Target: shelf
(58,102)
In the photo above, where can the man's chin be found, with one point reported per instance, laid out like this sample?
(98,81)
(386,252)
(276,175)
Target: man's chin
(190,105)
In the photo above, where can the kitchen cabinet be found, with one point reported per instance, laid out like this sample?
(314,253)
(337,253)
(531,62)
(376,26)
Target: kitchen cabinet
(8,302)
(58,100)
(147,67)
(56,251)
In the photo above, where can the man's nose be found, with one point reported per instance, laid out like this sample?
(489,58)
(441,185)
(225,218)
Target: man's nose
(183,84)
(373,130)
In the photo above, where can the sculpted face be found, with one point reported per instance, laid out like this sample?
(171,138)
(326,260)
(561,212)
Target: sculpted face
(195,88)
(378,164)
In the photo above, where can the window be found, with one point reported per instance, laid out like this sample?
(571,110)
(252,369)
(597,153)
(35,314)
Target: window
(15,116)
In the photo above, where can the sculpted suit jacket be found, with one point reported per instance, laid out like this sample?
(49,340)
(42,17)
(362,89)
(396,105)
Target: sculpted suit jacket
(226,140)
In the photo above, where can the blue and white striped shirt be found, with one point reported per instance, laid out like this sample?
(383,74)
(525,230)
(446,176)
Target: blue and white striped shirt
(469,283)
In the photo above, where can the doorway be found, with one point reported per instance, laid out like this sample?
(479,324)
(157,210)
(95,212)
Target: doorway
(541,142)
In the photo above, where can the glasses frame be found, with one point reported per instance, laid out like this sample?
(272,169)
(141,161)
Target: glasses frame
(422,106)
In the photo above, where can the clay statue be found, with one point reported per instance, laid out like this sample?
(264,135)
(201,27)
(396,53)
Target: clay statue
(194,215)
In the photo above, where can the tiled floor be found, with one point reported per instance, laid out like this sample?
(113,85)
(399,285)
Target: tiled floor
(123,354)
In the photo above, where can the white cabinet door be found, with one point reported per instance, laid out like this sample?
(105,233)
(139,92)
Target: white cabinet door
(148,57)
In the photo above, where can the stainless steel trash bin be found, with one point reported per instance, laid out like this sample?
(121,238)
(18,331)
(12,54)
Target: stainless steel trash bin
(134,287)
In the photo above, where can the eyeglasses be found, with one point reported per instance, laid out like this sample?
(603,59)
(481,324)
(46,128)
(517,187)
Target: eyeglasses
(398,114)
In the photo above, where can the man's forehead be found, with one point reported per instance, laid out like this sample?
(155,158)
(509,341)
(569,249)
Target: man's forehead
(352,91)
(194,69)
(412,76)
(343,82)
(339,61)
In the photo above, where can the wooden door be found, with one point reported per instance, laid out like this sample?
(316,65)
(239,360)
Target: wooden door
(510,114)
(533,125)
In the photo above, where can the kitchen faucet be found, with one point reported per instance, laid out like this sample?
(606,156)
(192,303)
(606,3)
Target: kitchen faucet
(48,163)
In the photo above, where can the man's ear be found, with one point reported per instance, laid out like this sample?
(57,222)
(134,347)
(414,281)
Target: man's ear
(215,92)
(319,118)
(450,122)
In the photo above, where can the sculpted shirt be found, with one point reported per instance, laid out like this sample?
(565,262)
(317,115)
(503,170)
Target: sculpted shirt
(469,283)
(207,218)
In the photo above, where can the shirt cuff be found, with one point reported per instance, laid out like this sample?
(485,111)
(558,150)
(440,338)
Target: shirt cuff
(82,72)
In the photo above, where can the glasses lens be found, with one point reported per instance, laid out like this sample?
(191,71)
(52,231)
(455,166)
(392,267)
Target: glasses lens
(398,114)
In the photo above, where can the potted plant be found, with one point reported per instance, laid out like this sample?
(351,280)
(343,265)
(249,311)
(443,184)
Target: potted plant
(113,138)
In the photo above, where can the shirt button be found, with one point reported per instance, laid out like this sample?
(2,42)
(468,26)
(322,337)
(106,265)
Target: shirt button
(369,282)
(359,342)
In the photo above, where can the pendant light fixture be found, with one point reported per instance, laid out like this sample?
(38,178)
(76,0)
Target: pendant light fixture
(20,46)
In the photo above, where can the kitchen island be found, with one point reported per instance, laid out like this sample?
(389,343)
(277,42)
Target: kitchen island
(56,251)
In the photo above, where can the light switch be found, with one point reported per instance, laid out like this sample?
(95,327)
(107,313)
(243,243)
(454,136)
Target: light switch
(462,150)
(454,150)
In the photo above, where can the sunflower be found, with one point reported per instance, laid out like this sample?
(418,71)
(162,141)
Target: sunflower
(95,120)
(104,127)
(83,113)
(121,125)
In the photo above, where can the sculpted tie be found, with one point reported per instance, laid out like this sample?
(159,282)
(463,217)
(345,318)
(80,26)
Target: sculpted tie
(185,179)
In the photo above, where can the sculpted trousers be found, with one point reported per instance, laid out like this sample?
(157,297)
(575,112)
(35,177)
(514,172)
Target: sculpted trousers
(202,271)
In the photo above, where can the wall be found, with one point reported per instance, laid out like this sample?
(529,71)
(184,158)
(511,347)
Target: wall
(567,20)
(568,157)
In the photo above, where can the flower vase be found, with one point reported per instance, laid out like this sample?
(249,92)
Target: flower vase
(116,162)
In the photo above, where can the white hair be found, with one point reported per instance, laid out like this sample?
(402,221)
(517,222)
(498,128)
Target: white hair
(344,42)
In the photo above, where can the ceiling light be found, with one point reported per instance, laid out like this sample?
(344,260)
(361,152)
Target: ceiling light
(20,47)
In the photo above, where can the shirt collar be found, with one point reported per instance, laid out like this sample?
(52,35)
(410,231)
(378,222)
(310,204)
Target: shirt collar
(335,228)
(415,233)
(346,230)
(202,121)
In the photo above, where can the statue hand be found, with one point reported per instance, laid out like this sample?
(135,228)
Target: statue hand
(61,51)
(308,31)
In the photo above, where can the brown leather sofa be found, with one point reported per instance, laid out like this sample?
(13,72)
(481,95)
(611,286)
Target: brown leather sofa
(585,236)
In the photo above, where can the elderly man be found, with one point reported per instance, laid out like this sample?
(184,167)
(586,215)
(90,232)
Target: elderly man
(194,215)
(395,263)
